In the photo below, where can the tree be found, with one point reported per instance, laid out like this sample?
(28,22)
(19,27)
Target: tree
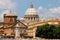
(48,31)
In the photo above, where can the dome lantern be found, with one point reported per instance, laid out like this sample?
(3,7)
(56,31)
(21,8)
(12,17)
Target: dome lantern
(31,5)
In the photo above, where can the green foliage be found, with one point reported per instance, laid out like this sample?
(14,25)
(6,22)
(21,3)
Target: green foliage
(48,31)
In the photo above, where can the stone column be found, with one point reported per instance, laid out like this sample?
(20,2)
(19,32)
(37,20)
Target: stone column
(34,32)
(17,31)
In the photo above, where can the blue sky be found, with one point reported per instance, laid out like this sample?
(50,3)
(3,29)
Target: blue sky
(23,5)
(45,8)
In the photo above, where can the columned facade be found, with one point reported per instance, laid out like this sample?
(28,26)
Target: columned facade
(31,17)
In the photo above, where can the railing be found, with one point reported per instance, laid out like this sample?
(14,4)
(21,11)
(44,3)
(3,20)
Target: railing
(27,39)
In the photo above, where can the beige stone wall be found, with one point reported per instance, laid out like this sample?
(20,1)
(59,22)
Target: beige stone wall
(30,32)
(7,32)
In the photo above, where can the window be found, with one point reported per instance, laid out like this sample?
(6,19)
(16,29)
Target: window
(11,19)
(24,30)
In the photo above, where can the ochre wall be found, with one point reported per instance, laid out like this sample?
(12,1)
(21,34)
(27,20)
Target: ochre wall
(8,23)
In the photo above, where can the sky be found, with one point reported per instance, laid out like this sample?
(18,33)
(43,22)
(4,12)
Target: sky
(45,8)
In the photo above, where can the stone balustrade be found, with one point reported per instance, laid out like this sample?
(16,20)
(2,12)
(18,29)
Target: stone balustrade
(27,39)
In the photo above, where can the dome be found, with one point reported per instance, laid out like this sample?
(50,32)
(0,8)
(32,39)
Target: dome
(31,14)
(31,11)
(9,13)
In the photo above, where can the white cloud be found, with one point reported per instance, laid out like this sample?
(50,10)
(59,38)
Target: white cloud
(49,12)
(6,5)
(55,10)
(40,8)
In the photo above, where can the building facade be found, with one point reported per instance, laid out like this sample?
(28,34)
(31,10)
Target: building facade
(9,20)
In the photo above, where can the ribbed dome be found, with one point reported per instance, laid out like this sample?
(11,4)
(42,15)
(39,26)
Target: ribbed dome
(31,14)
(31,11)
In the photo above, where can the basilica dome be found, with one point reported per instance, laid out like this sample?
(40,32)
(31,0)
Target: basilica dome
(31,14)
(31,11)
